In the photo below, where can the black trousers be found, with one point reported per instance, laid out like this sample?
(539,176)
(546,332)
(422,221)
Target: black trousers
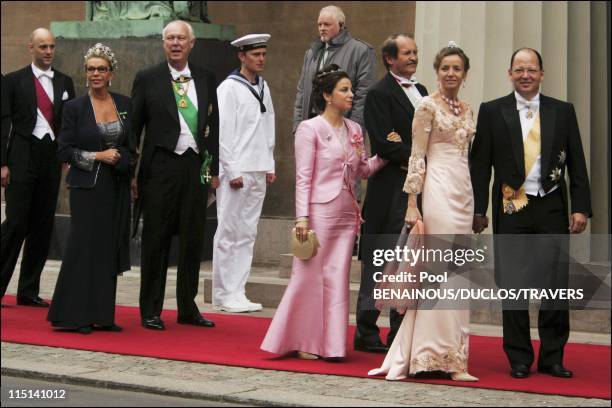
(383,210)
(174,203)
(543,215)
(31,200)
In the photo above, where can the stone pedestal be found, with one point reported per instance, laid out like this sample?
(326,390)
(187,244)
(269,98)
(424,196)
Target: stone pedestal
(135,29)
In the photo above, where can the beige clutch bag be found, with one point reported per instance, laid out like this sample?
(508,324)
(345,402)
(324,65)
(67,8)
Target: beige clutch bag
(307,249)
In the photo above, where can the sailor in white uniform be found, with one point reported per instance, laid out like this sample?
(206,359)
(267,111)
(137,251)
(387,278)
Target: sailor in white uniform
(246,166)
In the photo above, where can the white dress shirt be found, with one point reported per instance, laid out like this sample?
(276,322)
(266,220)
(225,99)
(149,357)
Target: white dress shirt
(533,180)
(186,139)
(43,127)
(411,92)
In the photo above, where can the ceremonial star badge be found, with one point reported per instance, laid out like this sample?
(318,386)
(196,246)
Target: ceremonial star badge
(562,157)
(556,174)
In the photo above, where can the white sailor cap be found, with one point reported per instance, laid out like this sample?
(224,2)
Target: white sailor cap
(251,42)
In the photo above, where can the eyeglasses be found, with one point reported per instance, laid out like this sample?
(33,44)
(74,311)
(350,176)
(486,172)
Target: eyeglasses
(102,70)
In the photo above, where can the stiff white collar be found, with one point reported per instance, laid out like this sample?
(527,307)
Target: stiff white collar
(402,80)
(39,72)
(522,103)
(186,72)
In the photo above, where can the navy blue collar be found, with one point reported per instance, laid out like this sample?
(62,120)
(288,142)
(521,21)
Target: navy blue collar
(237,73)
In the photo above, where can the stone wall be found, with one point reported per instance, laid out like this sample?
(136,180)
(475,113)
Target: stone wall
(20,18)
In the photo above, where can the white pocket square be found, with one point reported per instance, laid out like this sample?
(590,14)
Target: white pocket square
(65,96)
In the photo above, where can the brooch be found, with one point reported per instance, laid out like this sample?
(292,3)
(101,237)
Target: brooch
(357,142)
(556,174)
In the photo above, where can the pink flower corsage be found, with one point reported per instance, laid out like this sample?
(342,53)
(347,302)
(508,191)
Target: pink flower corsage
(357,143)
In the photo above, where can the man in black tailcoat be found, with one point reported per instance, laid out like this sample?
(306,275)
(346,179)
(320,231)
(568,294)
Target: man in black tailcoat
(531,140)
(389,110)
(176,103)
(32,104)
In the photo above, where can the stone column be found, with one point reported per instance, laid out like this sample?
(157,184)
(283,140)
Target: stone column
(600,128)
(572,38)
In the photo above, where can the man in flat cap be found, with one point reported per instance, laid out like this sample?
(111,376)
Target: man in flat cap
(246,166)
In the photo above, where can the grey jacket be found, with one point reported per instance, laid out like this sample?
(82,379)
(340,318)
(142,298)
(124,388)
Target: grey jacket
(354,56)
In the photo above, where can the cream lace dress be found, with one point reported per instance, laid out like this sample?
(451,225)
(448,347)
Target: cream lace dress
(436,340)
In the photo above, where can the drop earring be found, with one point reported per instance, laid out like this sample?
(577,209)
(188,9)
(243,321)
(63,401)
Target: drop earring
(110,83)
(87,83)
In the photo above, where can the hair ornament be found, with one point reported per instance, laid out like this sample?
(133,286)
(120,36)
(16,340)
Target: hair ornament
(102,51)
(324,74)
(452,44)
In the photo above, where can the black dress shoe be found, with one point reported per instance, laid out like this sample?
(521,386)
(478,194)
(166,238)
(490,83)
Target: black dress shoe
(34,302)
(556,370)
(377,347)
(520,371)
(153,323)
(196,320)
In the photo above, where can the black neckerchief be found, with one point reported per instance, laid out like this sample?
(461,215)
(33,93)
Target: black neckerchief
(237,76)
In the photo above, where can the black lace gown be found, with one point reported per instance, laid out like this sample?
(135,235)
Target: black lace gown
(86,288)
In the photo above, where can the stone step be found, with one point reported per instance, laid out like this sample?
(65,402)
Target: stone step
(269,290)
(286,262)
(266,287)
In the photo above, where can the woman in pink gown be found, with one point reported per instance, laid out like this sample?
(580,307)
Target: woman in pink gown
(312,317)
(443,127)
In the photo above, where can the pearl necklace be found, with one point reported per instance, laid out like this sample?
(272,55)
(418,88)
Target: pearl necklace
(453,104)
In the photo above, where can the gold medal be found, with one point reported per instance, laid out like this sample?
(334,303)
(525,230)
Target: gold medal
(181,92)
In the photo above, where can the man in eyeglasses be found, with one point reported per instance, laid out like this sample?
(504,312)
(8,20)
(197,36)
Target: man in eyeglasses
(35,97)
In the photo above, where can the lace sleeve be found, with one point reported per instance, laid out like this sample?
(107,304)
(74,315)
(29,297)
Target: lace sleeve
(421,128)
(83,159)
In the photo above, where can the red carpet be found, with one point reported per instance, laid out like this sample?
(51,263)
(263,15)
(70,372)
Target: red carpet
(235,342)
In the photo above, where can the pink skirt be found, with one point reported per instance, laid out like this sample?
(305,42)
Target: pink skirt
(313,314)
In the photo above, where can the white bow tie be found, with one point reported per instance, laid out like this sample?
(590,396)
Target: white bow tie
(529,105)
(48,74)
(184,73)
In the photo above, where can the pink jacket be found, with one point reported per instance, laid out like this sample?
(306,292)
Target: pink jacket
(320,162)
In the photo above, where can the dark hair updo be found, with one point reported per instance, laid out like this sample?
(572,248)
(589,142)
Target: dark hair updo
(325,81)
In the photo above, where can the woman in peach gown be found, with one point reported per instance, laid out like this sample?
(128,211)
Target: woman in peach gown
(443,127)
